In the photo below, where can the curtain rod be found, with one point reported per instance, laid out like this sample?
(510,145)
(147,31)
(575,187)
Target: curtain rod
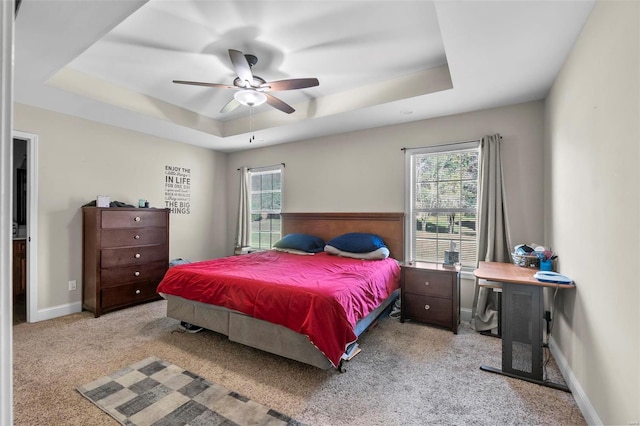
(262,167)
(444,144)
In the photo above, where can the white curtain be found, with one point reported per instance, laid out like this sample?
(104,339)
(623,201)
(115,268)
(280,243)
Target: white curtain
(243,238)
(493,229)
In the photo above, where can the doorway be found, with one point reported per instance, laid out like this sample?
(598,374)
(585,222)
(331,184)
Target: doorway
(19,243)
(25,218)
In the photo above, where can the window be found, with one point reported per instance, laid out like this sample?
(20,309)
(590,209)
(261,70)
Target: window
(266,206)
(442,205)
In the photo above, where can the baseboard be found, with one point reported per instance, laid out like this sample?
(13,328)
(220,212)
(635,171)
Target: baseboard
(587,409)
(465,314)
(57,311)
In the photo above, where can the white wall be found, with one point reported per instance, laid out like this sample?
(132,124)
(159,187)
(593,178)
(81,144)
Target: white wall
(363,171)
(79,159)
(591,207)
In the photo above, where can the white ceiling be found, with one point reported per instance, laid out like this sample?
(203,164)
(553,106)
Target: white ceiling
(378,62)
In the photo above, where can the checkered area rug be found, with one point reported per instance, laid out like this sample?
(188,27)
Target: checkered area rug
(156,392)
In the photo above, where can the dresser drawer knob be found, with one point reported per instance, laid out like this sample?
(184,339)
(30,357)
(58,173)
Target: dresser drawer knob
(426,283)
(137,219)
(137,237)
(137,256)
(137,291)
(136,273)
(427,307)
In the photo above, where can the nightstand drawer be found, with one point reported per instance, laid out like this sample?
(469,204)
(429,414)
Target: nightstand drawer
(421,281)
(427,309)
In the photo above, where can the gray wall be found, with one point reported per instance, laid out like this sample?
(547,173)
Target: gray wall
(364,171)
(79,159)
(592,157)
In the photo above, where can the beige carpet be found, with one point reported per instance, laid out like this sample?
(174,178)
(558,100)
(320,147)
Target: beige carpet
(406,374)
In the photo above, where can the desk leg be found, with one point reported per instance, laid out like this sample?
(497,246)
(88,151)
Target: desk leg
(522,315)
(546,383)
(522,345)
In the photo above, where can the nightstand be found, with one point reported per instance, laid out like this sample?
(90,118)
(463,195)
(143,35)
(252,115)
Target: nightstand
(430,294)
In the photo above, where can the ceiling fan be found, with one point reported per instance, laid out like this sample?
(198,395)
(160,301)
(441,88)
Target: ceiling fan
(251,90)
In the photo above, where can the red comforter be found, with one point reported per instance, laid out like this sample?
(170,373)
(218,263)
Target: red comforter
(321,296)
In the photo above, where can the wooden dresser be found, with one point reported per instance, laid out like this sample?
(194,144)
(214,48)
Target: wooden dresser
(125,255)
(19,267)
(430,294)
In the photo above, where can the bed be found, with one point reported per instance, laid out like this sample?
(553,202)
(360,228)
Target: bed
(282,324)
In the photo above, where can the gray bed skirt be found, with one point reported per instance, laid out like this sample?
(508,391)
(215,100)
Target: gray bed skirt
(260,334)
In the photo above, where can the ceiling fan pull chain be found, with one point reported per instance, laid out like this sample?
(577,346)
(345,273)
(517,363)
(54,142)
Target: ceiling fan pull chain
(252,137)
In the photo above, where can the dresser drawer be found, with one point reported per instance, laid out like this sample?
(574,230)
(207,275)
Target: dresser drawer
(133,218)
(132,256)
(428,309)
(133,237)
(421,281)
(128,274)
(128,294)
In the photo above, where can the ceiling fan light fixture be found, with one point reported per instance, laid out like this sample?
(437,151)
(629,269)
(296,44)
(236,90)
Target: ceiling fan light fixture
(249,88)
(249,97)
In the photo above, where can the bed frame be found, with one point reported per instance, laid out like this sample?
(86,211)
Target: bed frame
(275,338)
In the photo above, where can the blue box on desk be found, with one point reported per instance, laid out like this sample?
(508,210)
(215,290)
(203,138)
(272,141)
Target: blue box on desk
(546,265)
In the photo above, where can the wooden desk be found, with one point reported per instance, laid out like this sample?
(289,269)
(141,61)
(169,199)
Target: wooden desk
(522,315)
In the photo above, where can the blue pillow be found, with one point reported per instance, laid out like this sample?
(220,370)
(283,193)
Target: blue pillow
(357,242)
(303,242)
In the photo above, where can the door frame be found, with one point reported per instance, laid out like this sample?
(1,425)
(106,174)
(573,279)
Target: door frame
(6,188)
(32,222)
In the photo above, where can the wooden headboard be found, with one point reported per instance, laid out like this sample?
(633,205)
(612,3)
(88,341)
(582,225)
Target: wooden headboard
(389,226)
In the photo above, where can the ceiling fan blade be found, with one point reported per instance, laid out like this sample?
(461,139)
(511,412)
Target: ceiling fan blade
(198,83)
(278,104)
(241,66)
(230,106)
(291,84)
